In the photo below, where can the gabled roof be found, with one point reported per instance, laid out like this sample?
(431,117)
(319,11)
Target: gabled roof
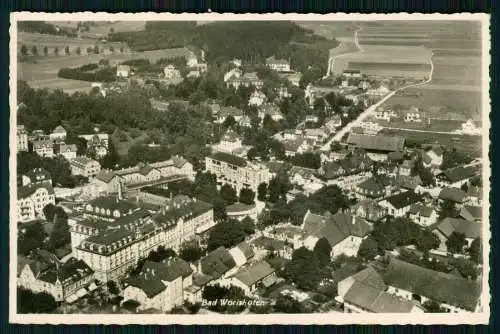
(454,194)
(378,142)
(169,269)
(404,199)
(217,263)
(254,273)
(229,158)
(421,210)
(460,173)
(149,284)
(441,287)
(408,182)
(82,161)
(449,225)
(105,175)
(335,228)
(31,188)
(473,212)
(475,192)
(59,129)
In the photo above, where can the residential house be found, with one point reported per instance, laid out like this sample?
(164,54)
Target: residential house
(376,187)
(97,142)
(35,176)
(364,85)
(456,195)
(475,195)
(270,109)
(159,285)
(333,123)
(63,281)
(406,167)
(67,151)
(305,177)
(423,215)
(229,142)
(32,198)
(172,73)
(351,73)
(412,115)
(140,174)
(225,112)
(369,210)
(365,292)
(218,264)
(433,158)
(257,98)
(21,138)
(105,182)
(472,213)
(249,279)
(311,119)
(409,182)
(84,166)
(279,65)
(59,134)
(123,71)
(457,176)
(297,146)
(318,135)
(370,128)
(399,205)
(292,77)
(344,232)
(384,114)
(445,228)
(242,253)
(44,148)
(452,293)
(250,79)
(382,90)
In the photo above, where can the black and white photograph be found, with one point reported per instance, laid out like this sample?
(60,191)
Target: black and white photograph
(249,168)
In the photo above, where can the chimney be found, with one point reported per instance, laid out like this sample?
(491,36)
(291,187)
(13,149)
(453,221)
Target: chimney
(354,220)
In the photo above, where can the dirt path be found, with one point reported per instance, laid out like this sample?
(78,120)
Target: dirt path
(331,60)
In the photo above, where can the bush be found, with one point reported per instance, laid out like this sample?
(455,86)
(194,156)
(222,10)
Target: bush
(30,302)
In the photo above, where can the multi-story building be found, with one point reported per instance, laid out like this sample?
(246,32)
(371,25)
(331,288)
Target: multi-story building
(32,198)
(36,175)
(67,151)
(236,171)
(22,138)
(280,65)
(97,142)
(160,285)
(58,134)
(43,147)
(84,166)
(112,248)
(61,280)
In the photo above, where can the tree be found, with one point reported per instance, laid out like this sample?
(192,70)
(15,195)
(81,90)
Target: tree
(304,269)
(45,50)
(112,287)
(448,209)
(262,192)
(475,252)
(111,49)
(229,122)
(456,242)
(121,49)
(161,254)
(252,154)
(34,51)
(432,306)
(49,212)
(274,190)
(330,198)
(60,235)
(368,249)
(228,194)
(30,302)
(247,196)
(24,50)
(95,49)
(323,251)
(31,237)
(287,304)
(190,252)
(56,51)
(66,50)
(219,294)
(466,268)
(78,50)
(227,233)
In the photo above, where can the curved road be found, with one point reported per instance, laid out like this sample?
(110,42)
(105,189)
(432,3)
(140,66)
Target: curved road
(332,59)
(338,136)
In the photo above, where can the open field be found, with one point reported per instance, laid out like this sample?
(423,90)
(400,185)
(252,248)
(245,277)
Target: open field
(437,125)
(330,29)
(41,71)
(465,143)
(447,103)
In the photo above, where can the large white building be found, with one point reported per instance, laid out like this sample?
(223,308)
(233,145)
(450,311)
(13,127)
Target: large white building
(32,198)
(237,172)
(22,138)
(84,166)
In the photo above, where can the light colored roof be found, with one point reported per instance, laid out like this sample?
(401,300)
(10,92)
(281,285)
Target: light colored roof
(254,273)
(449,225)
(59,129)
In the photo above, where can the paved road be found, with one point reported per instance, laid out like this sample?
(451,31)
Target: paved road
(370,110)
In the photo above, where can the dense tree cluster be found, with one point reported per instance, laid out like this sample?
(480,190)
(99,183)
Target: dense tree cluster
(30,302)
(304,269)
(31,237)
(60,235)
(190,251)
(218,295)
(453,158)
(307,160)
(88,73)
(42,27)
(229,233)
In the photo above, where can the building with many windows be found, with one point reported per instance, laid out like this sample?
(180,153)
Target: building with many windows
(236,171)
(84,166)
(22,138)
(32,198)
